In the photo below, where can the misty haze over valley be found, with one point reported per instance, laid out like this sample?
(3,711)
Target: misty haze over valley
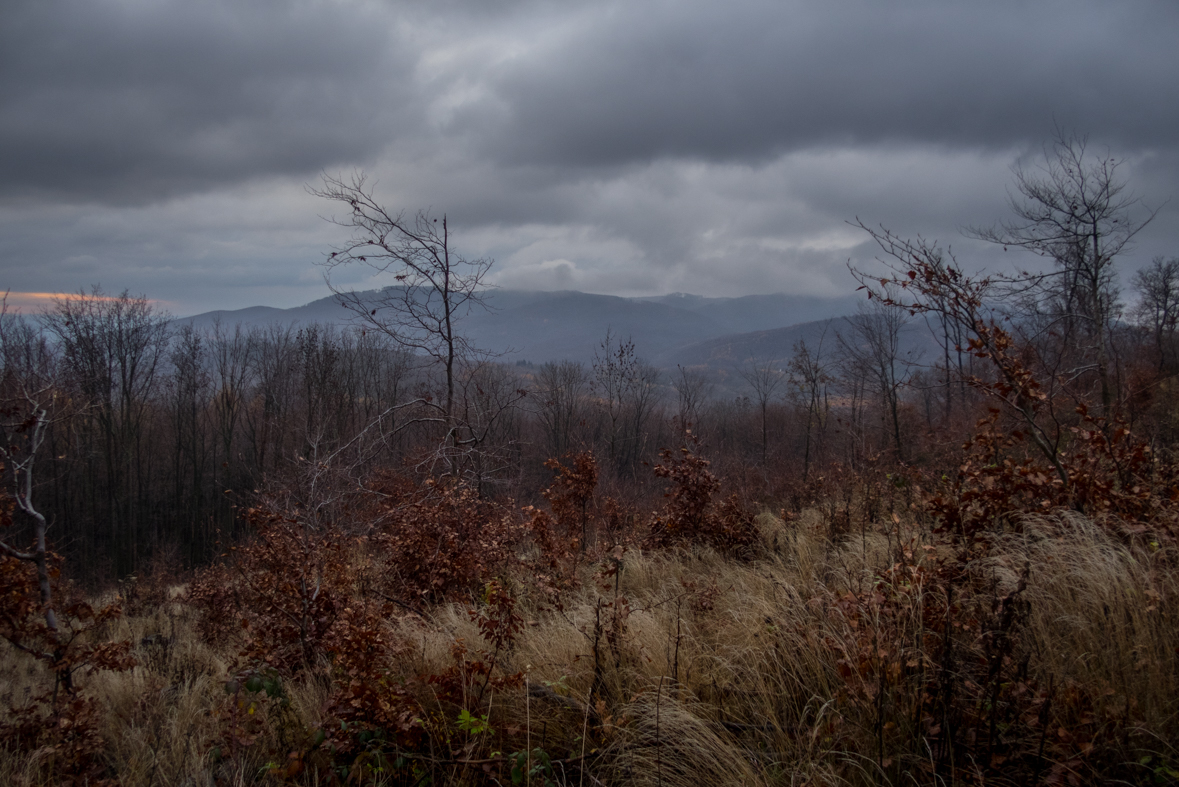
(718,334)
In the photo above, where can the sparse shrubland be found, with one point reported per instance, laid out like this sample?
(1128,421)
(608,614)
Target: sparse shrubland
(836,646)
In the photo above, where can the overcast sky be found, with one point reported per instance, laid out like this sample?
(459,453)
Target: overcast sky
(633,147)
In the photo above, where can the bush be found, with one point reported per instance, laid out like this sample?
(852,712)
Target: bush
(691,515)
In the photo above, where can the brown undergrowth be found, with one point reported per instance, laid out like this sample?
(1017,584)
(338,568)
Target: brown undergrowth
(461,641)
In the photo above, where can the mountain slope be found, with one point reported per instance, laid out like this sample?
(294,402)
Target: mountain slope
(727,355)
(548,326)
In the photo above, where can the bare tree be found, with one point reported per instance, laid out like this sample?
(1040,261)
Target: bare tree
(811,382)
(187,393)
(950,333)
(1075,210)
(1158,305)
(645,399)
(871,351)
(489,405)
(922,279)
(381,370)
(626,389)
(230,360)
(693,387)
(324,398)
(765,379)
(112,349)
(436,287)
(28,378)
(614,375)
(273,372)
(562,389)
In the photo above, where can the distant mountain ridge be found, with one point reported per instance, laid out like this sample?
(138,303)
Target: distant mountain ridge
(729,355)
(534,326)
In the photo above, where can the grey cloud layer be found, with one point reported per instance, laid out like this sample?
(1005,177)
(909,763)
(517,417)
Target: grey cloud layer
(129,101)
(118,99)
(741,82)
(620,146)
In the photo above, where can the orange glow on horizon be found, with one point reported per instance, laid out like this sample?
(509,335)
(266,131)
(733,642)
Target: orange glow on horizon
(44,300)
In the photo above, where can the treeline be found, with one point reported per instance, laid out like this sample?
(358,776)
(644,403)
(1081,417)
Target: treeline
(154,433)
(157,436)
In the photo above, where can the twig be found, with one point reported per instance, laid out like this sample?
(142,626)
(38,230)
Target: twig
(401,604)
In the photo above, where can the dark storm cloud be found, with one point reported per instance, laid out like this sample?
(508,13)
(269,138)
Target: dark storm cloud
(132,101)
(116,99)
(625,146)
(724,81)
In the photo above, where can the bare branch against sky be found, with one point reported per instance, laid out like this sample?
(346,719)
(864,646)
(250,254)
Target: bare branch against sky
(628,147)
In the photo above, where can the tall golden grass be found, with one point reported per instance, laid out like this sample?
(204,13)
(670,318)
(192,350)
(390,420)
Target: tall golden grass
(713,670)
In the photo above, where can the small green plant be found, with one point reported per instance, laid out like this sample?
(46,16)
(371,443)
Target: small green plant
(1162,771)
(475,725)
(266,681)
(537,765)
(559,685)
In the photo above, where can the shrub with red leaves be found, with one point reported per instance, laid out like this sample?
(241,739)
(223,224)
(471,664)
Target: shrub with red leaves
(368,695)
(278,595)
(571,494)
(58,725)
(444,543)
(691,514)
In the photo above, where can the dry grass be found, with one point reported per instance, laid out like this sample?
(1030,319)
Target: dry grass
(1104,614)
(709,670)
